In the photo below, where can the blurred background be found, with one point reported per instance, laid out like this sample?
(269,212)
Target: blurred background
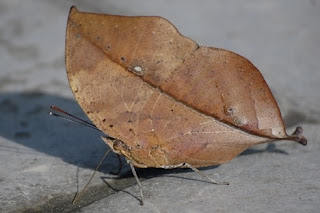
(42,158)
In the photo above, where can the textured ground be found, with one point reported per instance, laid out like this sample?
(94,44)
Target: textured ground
(44,161)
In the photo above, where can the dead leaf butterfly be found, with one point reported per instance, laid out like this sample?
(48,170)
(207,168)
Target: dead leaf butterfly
(165,101)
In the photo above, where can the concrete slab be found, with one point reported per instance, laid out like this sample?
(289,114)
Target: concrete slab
(45,161)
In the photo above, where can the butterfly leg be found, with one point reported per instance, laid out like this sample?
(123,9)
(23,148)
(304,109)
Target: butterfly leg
(119,166)
(138,181)
(78,195)
(183,165)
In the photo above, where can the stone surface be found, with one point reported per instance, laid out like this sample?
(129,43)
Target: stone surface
(44,161)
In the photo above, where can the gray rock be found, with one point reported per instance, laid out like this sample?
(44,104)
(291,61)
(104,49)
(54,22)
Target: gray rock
(45,161)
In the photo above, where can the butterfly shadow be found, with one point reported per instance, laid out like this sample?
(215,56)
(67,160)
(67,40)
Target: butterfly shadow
(271,147)
(148,173)
(24,120)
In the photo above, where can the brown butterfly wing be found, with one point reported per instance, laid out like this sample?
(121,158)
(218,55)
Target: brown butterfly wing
(167,99)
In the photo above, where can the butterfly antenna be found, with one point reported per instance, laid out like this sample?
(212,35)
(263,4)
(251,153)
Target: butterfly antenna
(75,119)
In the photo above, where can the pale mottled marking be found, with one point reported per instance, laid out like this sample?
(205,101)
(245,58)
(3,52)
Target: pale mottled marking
(125,104)
(137,69)
(131,106)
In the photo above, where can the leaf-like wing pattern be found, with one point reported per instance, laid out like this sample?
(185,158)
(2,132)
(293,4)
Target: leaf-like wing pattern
(166,99)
